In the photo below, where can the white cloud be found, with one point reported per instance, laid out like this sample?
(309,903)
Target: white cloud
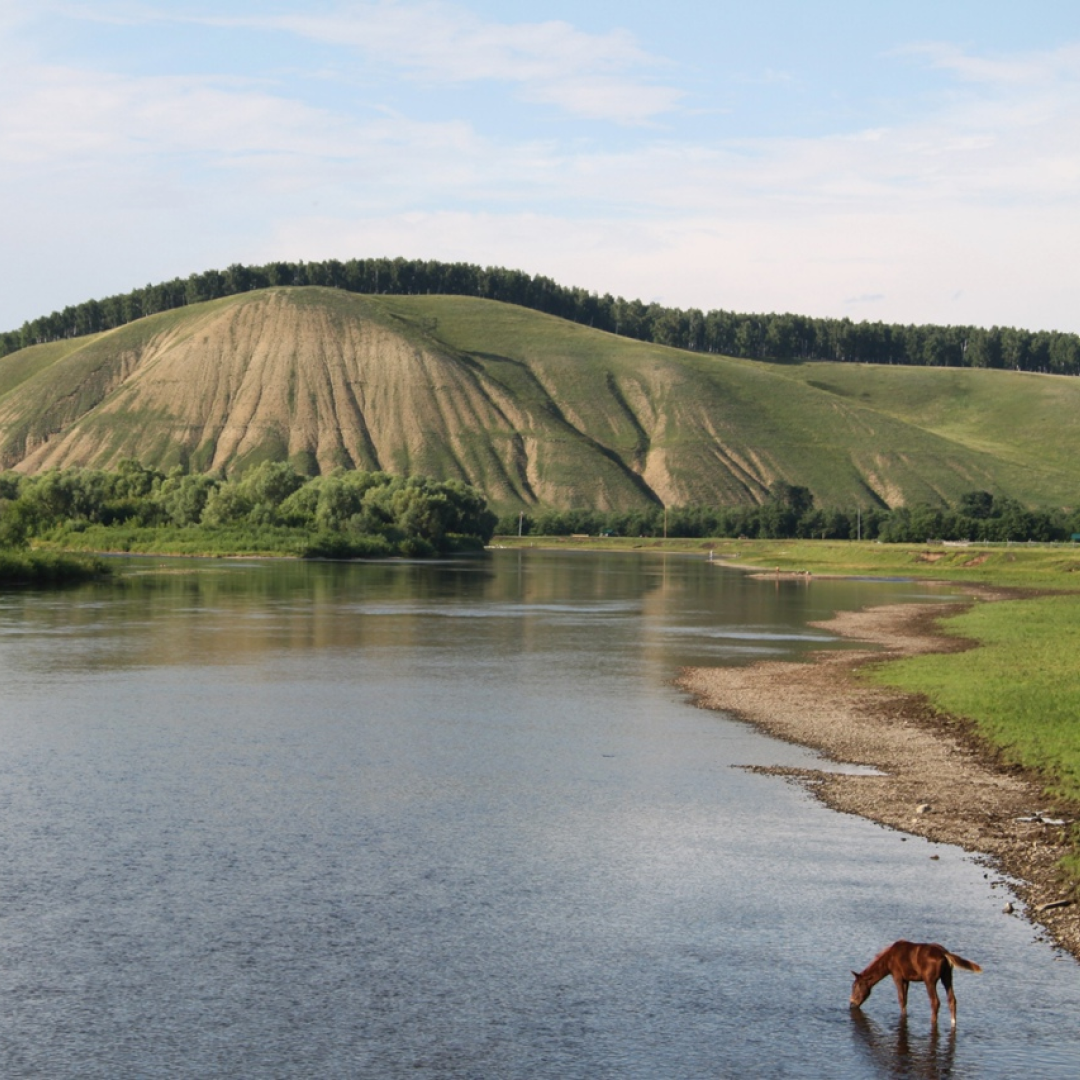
(447,42)
(1023,69)
(15,13)
(593,76)
(64,116)
(944,266)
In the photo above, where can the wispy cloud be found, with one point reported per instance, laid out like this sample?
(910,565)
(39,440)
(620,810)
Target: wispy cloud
(1023,69)
(592,76)
(445,42)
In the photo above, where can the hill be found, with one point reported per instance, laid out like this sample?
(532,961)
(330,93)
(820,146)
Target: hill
(530,408)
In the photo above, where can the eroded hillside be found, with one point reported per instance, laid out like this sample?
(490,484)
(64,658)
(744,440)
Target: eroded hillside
(528,408)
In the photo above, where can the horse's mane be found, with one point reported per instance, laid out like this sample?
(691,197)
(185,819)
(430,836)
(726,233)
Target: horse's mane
(878,964)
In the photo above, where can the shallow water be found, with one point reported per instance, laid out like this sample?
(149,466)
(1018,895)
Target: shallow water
(454,821)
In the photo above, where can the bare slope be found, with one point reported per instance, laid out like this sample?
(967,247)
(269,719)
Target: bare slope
(529,408)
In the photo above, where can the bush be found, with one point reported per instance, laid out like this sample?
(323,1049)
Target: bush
(38,568)
(336,545)
(416,547)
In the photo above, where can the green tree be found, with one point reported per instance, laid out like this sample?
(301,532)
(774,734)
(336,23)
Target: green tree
(17,523)
(226,505)
(268,485)
(976,504)
(183,498)
(134,480)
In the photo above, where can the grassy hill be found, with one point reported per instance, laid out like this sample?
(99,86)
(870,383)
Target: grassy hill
(529,408)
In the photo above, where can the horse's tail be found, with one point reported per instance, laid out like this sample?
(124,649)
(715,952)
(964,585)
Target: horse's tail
(961,963)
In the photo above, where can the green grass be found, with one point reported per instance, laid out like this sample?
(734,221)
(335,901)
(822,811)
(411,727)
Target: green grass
(1020,686)
(1017,566)
(222,541)
(168,540)
(852,433)
(968,407)
(27,363)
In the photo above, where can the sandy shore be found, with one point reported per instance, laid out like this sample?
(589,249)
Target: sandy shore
(937,780)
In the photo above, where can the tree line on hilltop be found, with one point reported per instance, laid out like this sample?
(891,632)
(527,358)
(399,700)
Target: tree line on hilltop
(753,336)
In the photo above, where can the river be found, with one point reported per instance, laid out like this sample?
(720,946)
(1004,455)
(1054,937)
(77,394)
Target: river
(277,819)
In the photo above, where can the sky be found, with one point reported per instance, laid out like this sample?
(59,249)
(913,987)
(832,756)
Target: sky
(915,161)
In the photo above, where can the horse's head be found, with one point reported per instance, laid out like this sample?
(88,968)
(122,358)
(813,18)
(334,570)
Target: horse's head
(860,990)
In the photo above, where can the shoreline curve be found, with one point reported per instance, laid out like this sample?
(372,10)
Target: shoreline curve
(935,776)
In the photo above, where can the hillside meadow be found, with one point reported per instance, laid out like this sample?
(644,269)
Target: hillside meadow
(532,410)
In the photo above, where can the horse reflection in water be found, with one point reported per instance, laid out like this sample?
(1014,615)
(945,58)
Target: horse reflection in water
(896,1054)
(909,962)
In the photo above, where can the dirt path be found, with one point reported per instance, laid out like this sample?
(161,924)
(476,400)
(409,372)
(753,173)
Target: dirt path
(937,780)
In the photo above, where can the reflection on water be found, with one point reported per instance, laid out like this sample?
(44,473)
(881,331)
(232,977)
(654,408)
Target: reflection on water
(280,819)
(895,1051)
(222,612)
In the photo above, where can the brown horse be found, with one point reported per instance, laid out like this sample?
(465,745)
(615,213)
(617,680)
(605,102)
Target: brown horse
(909,962)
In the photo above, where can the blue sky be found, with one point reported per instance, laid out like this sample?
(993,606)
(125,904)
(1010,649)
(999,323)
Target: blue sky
(912,162)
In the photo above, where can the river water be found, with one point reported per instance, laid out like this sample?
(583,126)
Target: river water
(271,819)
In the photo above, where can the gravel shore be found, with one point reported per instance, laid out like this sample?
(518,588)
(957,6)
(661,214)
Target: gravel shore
(937,778)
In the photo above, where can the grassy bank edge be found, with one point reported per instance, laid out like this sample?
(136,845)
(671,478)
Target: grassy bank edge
(1016,690)
(234,541)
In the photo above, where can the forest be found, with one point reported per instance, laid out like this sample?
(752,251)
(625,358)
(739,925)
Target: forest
(789,513)
(269,508)
(751,336)
(349,514)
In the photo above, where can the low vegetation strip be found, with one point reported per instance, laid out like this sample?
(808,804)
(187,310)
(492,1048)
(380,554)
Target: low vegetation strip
(44,568)
(789,512)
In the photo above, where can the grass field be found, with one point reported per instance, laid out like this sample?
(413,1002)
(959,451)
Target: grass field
(229,541)
(839,429)
(205,540)
(1020,685)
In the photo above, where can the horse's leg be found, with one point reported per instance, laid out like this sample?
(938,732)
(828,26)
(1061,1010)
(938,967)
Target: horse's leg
(946,981)
(935,1001)
(901,993)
